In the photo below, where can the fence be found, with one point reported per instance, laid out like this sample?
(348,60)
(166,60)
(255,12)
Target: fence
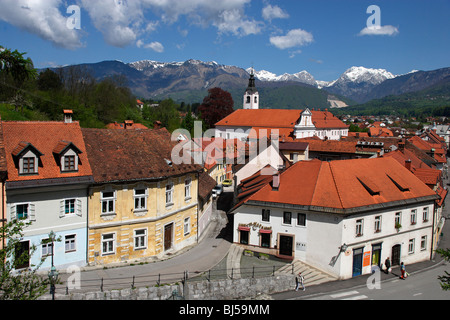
(135,281)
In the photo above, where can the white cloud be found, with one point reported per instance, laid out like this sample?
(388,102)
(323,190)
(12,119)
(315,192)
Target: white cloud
(42,18)
(269,13)
(232,21)
(379,31)
(294,38)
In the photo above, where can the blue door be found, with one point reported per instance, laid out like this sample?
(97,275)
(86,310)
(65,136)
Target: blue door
(357,262)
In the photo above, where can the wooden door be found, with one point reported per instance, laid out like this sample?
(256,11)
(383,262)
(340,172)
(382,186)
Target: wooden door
(168,231)
(395,259)
(286,245)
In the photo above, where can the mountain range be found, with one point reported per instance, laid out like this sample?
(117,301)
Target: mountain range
(189,81)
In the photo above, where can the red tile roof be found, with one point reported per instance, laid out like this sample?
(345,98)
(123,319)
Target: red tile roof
(45,137)
(345,184)
(278,118)
(129,155)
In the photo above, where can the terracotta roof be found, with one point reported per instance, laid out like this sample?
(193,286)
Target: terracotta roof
(3,167)
(205,185)
(44,137)
(124,155)
(278,118)
(343,146)
(340,186)
(128,125)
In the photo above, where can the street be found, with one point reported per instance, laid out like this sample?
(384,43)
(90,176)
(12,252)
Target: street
(420,286)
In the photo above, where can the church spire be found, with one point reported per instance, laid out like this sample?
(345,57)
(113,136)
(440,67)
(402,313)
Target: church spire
(251,96)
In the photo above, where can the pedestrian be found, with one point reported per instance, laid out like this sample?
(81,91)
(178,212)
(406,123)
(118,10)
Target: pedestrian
(403,271)
(387,263)
(299,281)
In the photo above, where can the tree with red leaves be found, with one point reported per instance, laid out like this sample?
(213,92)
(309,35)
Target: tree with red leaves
(216,106)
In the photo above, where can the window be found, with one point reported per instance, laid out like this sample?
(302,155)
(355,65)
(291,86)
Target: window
(69,206)
(140,239)
(265,240)
(377,224)
(108,199)
(22,211)
(265,215)
(423,243)
(169,194)
(287,217)
(425,214)
(187,188)
(140,199)
(69,243)
(47,247)
(69,163)
(187,226)
(301,219)
(359,227)
(411,246)
(398,219)
(108,243)
(29,165)
(413,216)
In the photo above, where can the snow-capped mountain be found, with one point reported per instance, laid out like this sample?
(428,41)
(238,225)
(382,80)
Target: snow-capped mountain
(302,76)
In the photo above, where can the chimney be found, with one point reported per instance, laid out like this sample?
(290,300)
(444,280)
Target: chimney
(408,164)
(401,145)
(68,116)
(276,181)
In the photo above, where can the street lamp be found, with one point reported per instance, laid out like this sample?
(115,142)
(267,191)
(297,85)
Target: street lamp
(53,274)
(344,248)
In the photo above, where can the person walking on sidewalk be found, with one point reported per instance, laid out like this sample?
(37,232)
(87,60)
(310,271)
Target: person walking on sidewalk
(299,281)
(387,263)
(403,271)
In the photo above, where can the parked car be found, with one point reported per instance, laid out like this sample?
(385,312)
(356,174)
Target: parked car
(217,190)
(227,182)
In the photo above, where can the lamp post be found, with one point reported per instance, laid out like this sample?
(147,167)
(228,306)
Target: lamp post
(53,274)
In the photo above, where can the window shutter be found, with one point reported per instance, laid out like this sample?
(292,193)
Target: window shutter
(12,213)
(62,209)
(32,209)
(78,207)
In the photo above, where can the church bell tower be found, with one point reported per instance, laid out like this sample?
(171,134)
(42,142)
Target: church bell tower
(251,96)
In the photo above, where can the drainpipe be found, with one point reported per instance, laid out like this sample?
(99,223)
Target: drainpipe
(433,230)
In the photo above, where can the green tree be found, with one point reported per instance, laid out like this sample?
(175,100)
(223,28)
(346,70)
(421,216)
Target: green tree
(26,285)
(445,279)
(20,69)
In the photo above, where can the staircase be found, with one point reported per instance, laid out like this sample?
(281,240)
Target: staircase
(312,275)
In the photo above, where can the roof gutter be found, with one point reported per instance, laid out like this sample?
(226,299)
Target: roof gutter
(343,211)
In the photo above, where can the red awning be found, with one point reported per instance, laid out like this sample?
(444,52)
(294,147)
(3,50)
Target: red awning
(265,231)
(243,228)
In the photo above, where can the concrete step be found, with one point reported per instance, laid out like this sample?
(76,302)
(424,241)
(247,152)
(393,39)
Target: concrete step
(313,276)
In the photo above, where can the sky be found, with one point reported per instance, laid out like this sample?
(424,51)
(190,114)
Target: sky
(323,37)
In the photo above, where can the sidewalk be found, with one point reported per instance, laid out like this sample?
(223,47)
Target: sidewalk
(362,280)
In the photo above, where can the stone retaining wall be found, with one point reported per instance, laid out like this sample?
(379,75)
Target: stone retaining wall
(246,288)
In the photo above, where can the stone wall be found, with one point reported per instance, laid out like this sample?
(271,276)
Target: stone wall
(196,290)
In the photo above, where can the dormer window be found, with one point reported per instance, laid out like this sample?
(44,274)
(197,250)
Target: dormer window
(66,154)
(26,158)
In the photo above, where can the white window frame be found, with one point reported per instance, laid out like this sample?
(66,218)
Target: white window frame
(423,243)
(290,218)
(140,239)
(140,197)
(398,218)
(106,200)
(187,226)
(71,242)
(77,206)
(187,188)
(110,242)
(46,247)
(411,246)
(359,227)
(31,211)
(426,214)
(377,225)
(169,193)
(298,220)
(413,216)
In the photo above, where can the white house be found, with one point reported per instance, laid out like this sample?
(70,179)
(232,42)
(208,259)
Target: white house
(343,217)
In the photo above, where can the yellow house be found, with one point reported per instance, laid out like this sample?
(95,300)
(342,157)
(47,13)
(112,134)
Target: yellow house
(141,205)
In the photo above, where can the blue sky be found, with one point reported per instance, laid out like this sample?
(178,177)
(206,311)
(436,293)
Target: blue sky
(323,37)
